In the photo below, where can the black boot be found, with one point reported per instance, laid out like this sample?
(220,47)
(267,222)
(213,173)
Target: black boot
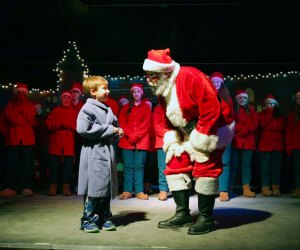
(205,222)
(182,216)
(90,219)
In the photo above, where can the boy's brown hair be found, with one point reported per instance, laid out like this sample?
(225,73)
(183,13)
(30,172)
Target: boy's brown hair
(93,82)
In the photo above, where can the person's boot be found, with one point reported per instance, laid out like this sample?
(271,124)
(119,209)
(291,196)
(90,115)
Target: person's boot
(182,216)
(276,190)
(90,219)
(223,196)
(8,192)
(247,191)
(52,190)
(205,222)
(266,191)
(66,190)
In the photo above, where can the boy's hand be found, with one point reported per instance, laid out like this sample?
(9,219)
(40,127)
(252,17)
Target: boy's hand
(119,131)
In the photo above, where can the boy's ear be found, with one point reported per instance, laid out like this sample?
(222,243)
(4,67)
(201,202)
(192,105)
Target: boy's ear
(92,92)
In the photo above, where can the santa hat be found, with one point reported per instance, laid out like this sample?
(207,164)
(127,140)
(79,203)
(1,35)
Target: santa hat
(217,76)
(240,93)
(21,87)
(65,93)
(37,104)
(270,98)
(137,86)
(77,86)
(121,98)
(159,61)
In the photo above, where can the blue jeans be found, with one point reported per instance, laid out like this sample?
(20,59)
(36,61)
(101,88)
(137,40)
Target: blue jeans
(224,178)
(242,157)
(161,160)
(270,164)
(296,157)
(134,161)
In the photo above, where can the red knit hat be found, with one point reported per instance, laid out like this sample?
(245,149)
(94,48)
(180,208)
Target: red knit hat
(77,86)
(217,75)
(159,61)
(240,93)
(270,98)
(66,93)
(21,87)
(137,86)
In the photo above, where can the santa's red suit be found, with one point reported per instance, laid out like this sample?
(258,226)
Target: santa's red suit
(192,110)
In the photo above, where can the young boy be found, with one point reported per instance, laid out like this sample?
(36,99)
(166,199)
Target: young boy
(98,127)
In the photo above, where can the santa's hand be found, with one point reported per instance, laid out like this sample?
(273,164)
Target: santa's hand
(173,150)
(195,155)
(188,147)
(201,156)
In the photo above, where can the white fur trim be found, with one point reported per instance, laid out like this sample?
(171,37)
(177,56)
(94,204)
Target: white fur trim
(21,89)
(207,185)
(170,137)
(202,142)
(172,80)
(225,135)
(150,65)
(174,112)
(217,78)
(178,182)
(242,94)
(270,100)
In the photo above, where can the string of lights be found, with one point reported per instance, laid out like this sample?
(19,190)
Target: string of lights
(72,56)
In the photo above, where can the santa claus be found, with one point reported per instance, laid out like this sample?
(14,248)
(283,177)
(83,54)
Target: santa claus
(192,110)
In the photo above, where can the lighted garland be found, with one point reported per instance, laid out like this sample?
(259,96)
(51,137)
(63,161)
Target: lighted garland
(71,57)
(143,79)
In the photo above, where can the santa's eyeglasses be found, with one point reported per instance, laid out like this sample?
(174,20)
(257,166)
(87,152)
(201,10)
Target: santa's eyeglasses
(152,76)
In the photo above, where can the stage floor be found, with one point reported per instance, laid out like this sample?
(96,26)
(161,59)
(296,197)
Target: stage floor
(43,222)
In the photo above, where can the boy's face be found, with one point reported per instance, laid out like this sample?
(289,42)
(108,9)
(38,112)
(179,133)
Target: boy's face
(101,94)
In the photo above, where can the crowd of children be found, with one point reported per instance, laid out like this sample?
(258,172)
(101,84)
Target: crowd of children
(64,142)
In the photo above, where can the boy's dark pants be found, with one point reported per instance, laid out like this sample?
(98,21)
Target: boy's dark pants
(96,210)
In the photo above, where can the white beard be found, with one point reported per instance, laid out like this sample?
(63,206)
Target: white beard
(162,84)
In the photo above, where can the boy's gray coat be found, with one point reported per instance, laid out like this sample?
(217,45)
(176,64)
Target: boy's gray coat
(97,168)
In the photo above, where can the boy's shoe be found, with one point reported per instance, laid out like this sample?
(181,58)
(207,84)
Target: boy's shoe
(109,226)
(91,228)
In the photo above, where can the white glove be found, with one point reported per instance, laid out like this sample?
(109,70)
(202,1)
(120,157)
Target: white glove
(195,155)
(175,149)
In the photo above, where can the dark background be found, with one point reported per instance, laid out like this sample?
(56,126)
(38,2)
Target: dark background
(113,37)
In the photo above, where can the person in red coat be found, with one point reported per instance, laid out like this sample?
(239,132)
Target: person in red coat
(61,123)
(112,103)
(244,140)
(76,92)
(271,145)
(135,119)
(192,110)
(19,121)
(226,118)
(292,140)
